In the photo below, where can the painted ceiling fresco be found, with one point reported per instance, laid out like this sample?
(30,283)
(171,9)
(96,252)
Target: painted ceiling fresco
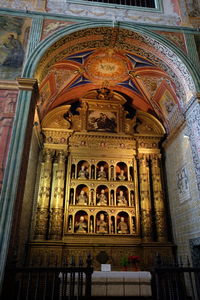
(114,59)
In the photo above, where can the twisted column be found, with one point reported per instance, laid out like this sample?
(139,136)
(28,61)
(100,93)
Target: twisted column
(159,207)
(145,198)
(56,215)
(42,214)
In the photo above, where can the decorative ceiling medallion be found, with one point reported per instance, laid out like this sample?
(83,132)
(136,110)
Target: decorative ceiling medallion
(107,65)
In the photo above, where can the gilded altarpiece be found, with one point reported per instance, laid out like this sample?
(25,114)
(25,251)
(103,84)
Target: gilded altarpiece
(100,187)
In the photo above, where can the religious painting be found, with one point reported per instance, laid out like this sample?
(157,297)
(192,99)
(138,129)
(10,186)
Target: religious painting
(50,26)
(14,32)
(102,121)
(167,103)
(183,187)
(8,100)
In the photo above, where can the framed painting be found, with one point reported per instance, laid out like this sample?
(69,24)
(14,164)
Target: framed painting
(102,121)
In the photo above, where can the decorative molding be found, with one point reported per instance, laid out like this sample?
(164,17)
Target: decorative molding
(192,49)
(35,34)
(184,28)
(193,117)
(13,171)
(27,84)
(9,85)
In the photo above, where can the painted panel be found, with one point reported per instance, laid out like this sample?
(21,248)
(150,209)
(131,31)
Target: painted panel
(102,121)
(50,26)
(14,32)
(176,38)
(7,110)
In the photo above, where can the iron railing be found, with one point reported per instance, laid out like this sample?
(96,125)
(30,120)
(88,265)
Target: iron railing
(175,280)
(52,283)
(137,3)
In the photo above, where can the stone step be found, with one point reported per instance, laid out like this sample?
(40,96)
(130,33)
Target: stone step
(112,298)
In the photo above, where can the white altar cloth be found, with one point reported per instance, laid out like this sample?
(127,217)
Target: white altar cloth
(117,283)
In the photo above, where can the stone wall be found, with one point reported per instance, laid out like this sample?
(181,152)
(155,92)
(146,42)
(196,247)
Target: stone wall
(28,200)
(183,192)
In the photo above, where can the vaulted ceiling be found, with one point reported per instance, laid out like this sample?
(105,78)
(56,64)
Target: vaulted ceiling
(118,59)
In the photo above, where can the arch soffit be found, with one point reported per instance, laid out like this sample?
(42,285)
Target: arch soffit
(149,45)
(163,49)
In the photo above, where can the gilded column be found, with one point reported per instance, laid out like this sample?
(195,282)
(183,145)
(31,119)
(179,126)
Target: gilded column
(44,196)
(159,207)
(145,198)
(56,216)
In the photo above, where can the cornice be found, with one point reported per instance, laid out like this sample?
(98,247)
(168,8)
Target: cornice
(27,84)
(8,85)
(32,14)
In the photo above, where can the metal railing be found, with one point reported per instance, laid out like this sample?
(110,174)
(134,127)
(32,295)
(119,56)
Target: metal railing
(175,280)
(137,3)
(52,283)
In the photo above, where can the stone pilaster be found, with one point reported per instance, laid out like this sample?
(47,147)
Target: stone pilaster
(19,147)
(158,198)
(145,198)
(42,214)
(56,216)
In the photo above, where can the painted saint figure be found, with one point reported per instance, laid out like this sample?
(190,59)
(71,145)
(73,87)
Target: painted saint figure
(81,226)
(82,198)
(101,175)
(102,199)
(15,52)
(122,226)
(121,176)
(102,226)
(121,199)
(83,174)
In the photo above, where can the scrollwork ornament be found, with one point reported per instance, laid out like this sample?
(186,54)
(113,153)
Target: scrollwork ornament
(161,225)
(56,222)
(41,223)
(146,222)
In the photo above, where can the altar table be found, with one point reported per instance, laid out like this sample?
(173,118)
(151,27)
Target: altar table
(117,283)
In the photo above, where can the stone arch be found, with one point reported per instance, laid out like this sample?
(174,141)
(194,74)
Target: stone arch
(178,59)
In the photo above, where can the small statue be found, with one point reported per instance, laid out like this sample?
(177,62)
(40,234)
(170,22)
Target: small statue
(81,225)
(122,226)
(112,227)
(91,227)
(121,176)
(82,198)
(112,173)
(104,94)
(83,174)
(70,225)
(121,200)
(111,199)
(71,197)
(102,198)
(92,197)
(102,225)
(132,199)
(101,174)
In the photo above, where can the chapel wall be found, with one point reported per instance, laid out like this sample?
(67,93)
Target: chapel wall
(183,192)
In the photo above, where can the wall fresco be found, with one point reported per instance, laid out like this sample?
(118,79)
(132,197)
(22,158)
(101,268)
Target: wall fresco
(176,38)
(50,26)
(7,110)
(14,32)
